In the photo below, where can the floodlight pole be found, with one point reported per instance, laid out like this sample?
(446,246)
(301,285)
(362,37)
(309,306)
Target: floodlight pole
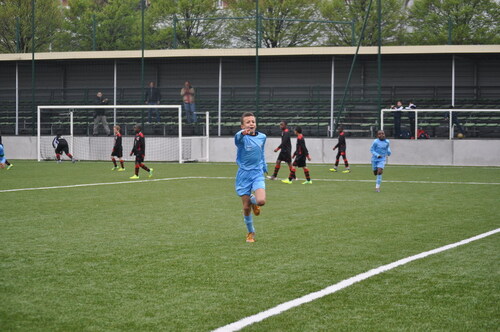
(220,99)
(142,58)
(114,92)
(93,33)
(379,59)
(332,98)
(257,42)
(33,64)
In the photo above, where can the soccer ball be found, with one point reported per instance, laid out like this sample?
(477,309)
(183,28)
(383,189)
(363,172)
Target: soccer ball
(460,135)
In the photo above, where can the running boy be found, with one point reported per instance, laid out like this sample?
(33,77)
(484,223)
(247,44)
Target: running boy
(342,147)
(139,150)
(286,150)
(251,168)
(117,150)
(3,161)
(380,150)
(300,155)
(61,145)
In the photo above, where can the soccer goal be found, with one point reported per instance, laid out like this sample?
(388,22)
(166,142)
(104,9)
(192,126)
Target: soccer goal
(90,137)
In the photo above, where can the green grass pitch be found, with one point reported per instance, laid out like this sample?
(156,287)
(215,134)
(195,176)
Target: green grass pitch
(171,255)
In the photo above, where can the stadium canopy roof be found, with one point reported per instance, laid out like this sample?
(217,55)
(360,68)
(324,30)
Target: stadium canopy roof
(246,52)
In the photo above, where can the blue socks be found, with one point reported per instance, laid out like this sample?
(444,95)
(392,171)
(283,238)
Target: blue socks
(379,181)
(249,223)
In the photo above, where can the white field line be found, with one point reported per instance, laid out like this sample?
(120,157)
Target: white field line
(232,178)
(111,183)
(270,163)
(236,326)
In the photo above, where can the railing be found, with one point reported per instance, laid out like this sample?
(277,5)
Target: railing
(452,118)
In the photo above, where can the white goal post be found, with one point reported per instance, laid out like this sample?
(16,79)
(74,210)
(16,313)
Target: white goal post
(448,112)
(179,144)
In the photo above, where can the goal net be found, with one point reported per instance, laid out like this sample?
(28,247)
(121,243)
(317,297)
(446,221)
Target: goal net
(90,135)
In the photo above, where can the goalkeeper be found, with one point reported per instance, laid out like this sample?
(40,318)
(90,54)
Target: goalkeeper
(61,145)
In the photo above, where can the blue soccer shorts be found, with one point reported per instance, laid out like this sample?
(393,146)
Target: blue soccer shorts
(378,163)
(249,181)
(2,160)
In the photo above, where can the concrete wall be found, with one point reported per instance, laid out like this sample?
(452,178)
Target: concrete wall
(405,152)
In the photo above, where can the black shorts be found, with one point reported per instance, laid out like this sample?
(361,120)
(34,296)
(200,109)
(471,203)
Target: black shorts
(62,148)
(340,153)
(139,159)
(284,156)
(117,153)
(300,161)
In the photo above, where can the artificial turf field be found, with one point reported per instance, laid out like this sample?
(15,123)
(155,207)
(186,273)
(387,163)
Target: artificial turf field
(171,254)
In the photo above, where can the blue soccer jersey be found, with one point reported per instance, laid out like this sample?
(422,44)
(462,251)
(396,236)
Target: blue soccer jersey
(2,155)
(251,161)
(380,149)
(250,155)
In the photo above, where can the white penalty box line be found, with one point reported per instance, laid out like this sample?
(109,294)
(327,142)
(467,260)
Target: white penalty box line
(236,326)
(232,178)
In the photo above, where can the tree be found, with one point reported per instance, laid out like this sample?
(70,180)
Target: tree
(77,28)
(190,30)
(48,19)
(117,25)
(347,10)
(277,26)
(472,22)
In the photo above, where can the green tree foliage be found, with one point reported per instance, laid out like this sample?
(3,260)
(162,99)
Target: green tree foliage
(473,22)
(48,19)
(117,25)
(191,32)
(393,20)
(277,29)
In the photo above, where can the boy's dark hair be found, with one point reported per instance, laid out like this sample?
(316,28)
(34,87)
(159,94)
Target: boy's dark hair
(138,126)
(284,122)
(341,128)
(246,114)
(298,129)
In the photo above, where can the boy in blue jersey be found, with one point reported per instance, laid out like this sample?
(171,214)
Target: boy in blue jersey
(3,161)
(251,168)
(380,150)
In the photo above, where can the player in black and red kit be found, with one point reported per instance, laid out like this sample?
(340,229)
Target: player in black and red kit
(117,150)
(139,150)
(61,145)
(300,154)
(286,150)
(341,145)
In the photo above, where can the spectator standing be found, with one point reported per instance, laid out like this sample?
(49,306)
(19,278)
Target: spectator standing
(100,114)
(397,118)
(187,93)
(411,118)
(456,122)
(153,97)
